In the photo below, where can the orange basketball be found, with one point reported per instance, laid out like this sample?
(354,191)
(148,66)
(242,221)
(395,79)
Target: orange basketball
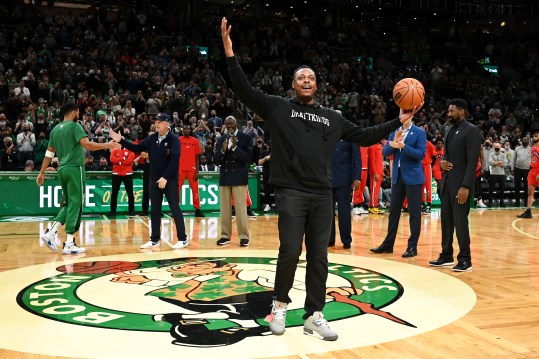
(408,93)
(99,267)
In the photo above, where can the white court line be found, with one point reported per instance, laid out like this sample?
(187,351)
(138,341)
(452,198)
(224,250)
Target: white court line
(522,232)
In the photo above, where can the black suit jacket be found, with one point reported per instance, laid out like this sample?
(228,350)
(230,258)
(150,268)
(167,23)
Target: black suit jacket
(234,163)
(463,152)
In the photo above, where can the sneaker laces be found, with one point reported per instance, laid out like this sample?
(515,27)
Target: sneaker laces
(321,322)
(278,312)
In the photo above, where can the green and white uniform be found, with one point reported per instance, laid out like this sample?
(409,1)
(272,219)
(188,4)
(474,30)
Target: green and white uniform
(65,139)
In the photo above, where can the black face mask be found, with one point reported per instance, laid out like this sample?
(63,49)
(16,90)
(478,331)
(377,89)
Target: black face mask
(497,149)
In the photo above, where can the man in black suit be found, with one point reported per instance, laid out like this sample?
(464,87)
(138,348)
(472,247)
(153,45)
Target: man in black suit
(204,165)
(345,177)
(462,146)
(232,154)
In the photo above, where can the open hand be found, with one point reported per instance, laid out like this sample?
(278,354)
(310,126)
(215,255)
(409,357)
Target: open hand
(227,41)
(116,137)
(405,116)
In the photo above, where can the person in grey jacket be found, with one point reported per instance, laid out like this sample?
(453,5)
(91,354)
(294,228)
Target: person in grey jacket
(521,167)
(496,162)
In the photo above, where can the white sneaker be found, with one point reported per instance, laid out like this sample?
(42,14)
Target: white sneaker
(267,208)
(277,318)
(317,326)
(72,248)
(359,211)
(149,244)
(49,238)
(381,205)
(180,244)
(480,204)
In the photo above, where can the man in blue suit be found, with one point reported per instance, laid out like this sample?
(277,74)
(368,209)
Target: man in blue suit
(407,145)
(232,154)
(345,176)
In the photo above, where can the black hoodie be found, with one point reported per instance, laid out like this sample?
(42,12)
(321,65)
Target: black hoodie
(303,136)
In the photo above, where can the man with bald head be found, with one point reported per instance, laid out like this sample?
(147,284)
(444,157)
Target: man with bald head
(304,135)
(233,154)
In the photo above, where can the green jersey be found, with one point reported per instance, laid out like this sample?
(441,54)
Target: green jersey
(65,139)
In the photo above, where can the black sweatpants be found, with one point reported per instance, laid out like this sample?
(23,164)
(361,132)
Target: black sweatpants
(128,184)
(303,213)
(156,197)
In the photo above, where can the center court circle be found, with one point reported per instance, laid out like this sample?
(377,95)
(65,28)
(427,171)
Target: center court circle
(154,305)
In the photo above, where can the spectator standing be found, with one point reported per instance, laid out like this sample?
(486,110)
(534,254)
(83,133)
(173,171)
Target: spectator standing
(521,168)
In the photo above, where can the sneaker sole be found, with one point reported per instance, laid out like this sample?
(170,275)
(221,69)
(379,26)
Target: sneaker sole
(74,252)
(49,244)
(448,264)
(244,245)
(183,245)
(146,247)
(462,270)
(223,243)
(315,334)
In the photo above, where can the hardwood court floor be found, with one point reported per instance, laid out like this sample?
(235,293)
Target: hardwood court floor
(504,323)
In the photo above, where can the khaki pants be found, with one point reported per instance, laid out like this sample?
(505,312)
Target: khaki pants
(226,193)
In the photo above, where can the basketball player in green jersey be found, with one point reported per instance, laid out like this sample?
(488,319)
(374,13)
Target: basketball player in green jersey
(67,140)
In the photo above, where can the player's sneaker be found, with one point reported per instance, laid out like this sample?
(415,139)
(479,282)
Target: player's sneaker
(149,244)
(376,210)
(72,248)
(267,208)
(317,326)
(180,244)
(49,238)
(480,204)
(277,318)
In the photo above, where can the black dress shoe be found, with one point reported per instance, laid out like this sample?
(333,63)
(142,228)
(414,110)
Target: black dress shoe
(347,245)
(463,266)
(331,244)
(381,249)
(442,262)
(410,252)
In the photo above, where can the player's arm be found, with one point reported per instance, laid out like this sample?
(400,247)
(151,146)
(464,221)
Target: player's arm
(94,146)
(49,155)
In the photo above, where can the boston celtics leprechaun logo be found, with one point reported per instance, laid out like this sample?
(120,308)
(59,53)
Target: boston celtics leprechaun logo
(207,302)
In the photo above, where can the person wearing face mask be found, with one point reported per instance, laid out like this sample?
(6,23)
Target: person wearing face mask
(496,162)
(487,150)
(533,175)
(509,155)
(461,151)
(26,141)
(521,168)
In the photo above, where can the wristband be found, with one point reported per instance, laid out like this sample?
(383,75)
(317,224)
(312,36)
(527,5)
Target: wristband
(49,154)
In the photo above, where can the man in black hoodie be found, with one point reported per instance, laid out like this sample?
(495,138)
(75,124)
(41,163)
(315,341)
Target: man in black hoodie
(303,138)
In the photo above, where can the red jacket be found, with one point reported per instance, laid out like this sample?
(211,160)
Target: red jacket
(122,162)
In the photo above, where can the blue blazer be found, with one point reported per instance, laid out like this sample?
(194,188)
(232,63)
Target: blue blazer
(410,157)
(345,164)
(234,165)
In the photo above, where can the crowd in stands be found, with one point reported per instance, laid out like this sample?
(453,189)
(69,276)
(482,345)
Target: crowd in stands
(124,67)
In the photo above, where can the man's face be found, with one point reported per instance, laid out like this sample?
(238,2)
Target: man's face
(161,126)
(187,131)
(231,125)
(304,84)
(439,145)
(454,114)
(203,160)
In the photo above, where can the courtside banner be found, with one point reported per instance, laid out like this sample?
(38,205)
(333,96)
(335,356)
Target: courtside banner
(20,195)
